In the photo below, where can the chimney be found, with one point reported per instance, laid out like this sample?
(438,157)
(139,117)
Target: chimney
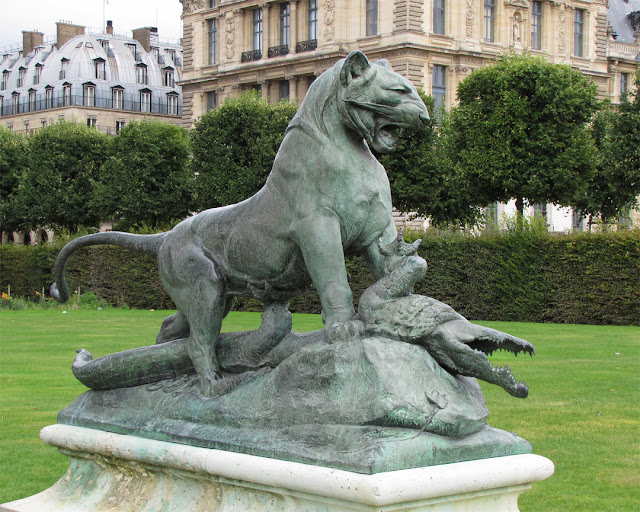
(109,27)
(144,35)
(67,31)
(31,39)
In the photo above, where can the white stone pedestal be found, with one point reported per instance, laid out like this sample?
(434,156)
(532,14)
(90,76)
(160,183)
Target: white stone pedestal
(112,472)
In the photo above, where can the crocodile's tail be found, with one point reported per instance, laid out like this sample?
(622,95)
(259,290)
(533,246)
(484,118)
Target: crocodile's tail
(133,367)
(147,244)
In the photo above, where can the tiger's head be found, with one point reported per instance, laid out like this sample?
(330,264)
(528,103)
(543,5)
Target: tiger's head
(377,103)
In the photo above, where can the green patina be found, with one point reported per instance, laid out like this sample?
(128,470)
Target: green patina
(389,387)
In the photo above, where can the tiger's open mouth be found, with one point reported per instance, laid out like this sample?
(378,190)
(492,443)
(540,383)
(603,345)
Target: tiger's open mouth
(386,135)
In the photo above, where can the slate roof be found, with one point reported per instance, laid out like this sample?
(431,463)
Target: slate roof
(618,15)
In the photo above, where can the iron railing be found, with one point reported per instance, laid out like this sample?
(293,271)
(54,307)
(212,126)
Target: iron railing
(306,46)
(251,55)
(277,51)
(157,105)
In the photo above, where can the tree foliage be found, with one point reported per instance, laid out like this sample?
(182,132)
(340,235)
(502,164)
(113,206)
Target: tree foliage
(63,164)
(422,178)
(234,147)
(147,179)
(521,131)
(615,186)
(12,165)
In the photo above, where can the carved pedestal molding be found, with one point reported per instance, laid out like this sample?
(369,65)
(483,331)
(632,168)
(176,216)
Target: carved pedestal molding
(129,474)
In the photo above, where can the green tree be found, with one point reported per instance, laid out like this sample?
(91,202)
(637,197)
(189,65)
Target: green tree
(63,163)
(422,178)
(234,147)
(12,165)
(147,179)
(615,186)
(521,131)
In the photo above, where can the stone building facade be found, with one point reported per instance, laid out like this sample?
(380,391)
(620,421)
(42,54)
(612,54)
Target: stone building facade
(280,47)
(102,79)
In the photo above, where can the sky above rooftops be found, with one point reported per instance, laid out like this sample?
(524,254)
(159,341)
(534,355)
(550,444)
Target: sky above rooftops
(42,15)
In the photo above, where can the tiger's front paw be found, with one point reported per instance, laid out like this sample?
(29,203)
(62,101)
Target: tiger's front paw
(345,331)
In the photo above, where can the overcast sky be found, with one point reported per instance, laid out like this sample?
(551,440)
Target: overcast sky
(126,15)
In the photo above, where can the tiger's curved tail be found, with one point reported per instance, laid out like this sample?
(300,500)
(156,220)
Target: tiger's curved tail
(146,244)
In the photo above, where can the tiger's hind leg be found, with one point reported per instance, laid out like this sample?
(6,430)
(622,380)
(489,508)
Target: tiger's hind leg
(196,285)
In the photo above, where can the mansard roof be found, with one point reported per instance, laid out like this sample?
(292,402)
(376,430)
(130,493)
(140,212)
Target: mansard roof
(82,53)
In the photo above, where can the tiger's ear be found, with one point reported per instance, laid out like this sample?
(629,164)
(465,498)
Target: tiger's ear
(354,65)
(383,63)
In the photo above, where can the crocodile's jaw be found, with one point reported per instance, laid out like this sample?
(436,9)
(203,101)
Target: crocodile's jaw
(464,359)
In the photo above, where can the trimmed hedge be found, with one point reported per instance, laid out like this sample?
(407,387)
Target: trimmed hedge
(520,276)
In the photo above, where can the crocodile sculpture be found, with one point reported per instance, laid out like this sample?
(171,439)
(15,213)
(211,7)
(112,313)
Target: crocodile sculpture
(389,309)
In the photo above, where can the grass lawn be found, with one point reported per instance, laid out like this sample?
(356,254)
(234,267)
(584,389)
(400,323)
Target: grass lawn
(583,411)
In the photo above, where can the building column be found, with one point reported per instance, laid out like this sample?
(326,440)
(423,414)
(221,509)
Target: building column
(293,88)
(239,16)
(266,29)
(264,89)
(293,26)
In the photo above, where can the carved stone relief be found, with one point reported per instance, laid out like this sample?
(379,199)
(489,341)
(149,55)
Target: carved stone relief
(562,31)
(469,17)
(329,18)
(230,31)
(518,3)
(189,6)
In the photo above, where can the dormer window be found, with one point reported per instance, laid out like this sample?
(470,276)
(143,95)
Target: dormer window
(89,94)
(64,65)
(21,73)
(141,74)
(172,54)
(145,100)
(156,53)
(32,100)
(117,98)
(5,80)
(48,97)
(132,49)
(66,94)
(38,74)
(105,46)
(169,80)
(99,66)
(15,103)
(172,104)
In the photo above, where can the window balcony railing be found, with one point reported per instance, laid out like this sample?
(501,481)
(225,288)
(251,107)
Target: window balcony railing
(132,104)
(307,46)
(251,55)
(277,51)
